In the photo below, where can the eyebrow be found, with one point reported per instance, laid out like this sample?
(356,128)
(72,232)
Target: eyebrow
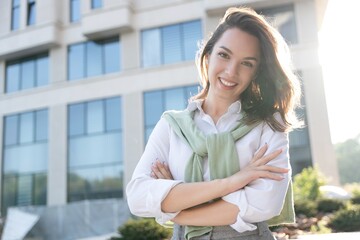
(247,58)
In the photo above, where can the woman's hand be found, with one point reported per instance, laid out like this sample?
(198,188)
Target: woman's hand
(256,169)
(160,170)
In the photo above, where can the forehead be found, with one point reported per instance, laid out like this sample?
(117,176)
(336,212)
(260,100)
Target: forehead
(239,42)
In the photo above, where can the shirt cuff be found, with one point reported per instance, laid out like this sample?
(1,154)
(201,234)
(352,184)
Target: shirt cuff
(238,198)
(158,190)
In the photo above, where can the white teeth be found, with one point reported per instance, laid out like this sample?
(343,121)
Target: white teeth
(226,83)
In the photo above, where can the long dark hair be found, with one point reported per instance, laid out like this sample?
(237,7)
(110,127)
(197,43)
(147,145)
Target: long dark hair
(275,88)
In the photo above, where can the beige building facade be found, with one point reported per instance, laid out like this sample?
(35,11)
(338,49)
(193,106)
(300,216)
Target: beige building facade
(55,28)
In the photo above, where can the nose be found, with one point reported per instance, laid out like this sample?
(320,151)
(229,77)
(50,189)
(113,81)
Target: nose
(232,69)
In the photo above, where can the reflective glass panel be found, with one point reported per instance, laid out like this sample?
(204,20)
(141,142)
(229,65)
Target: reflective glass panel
(96,4)
(95,117)
(76,56)
(94,65)
(27,127)
(26,158)
(171,40)
(74,10)
(31,12)
(41,127)
(76,122)
(175,99)
(15,18)
(42,71)
(11,130)
(153,104)
(112,56)
(191,36)
(28,74)
(151,47)
(113,114)
(95,149)
(12,77)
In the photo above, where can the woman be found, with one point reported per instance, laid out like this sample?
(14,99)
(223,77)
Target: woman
(220,168)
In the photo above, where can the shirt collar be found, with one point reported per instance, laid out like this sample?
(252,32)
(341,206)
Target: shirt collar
(235,107)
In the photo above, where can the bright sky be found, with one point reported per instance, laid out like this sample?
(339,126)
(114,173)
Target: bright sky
(340,59)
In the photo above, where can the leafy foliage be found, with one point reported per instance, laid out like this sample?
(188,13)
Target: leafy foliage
(144,228)
(328,205)
(307,208)
(348,157)
(346,220)
(307,183)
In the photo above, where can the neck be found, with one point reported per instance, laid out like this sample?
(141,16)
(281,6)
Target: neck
(215,109)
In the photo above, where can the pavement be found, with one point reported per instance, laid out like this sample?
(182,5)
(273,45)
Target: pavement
(331,236)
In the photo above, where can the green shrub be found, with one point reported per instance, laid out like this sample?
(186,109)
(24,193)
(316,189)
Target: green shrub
(307,183)
(144,228)
(355,200)
(307,208)
(328,205)
(346,220)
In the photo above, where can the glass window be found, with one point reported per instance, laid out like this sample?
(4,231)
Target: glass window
(95,157)
(25,159)
(113,114)
(12,78)
(76,122)
(170,44)
(27,127)
(95,117)
(191,36)
(11,130)
(156,102)
(74,10)
(93,58)
(283,19)
(27,73)
(42,71)
(15,14)
(41,128)
(76,63)
(112,56)
(96,4)
(31,12)
(151,47)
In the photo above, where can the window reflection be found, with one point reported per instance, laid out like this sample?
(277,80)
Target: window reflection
(95,152)
(27,73)
(170,44)
(25,159)
(93,58)
(156,102)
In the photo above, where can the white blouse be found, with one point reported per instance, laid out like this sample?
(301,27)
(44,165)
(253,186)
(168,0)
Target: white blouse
(260,200)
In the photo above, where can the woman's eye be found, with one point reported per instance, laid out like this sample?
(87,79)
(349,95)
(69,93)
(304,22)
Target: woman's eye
(224,55)
(248,64)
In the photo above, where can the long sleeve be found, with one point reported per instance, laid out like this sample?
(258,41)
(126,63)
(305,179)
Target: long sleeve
(145,194)
(264,198)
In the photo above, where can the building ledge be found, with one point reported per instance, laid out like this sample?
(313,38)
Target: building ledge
(107,22)
(31,40)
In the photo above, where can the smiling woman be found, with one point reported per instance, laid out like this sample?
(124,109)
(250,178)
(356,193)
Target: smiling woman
(339,57)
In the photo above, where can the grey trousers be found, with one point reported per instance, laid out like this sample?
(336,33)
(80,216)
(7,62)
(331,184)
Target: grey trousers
(226,232)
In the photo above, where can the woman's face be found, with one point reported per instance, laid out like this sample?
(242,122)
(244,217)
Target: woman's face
(232,64)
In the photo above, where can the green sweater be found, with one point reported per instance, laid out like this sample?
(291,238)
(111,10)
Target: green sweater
(216,146)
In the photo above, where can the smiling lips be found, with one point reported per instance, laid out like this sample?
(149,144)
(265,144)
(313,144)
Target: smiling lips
(226,83)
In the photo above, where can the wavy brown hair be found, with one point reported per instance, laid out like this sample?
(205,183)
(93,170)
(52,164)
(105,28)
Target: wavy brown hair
(275,87)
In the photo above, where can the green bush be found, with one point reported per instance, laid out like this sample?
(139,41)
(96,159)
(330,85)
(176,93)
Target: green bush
(346,220)
(144,228)
(328,205)
(307,183)
(355,200)
(307,208)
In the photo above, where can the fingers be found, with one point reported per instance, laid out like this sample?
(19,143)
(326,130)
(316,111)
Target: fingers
(260,153)
(160,170)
